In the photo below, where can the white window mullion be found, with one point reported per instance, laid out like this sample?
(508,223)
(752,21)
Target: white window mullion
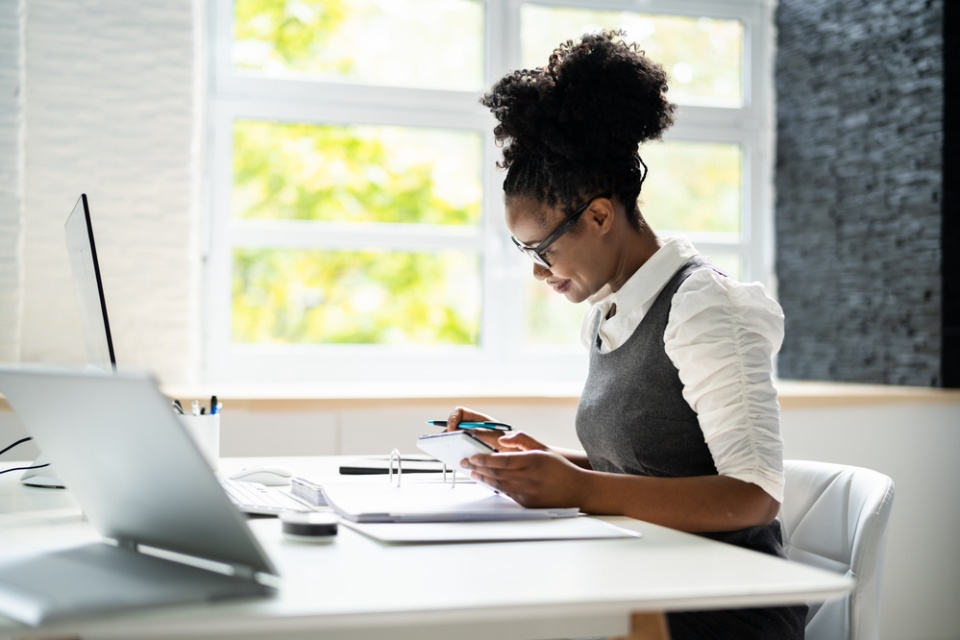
(280,94)
(502,309)
(300,234)
(216,298)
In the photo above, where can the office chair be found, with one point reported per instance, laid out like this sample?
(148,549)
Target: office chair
(835,517)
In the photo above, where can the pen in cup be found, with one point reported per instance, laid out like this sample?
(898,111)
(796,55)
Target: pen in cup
(466,424)
(195,409)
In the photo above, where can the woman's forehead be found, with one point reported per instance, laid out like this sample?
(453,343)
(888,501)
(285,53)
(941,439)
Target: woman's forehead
(528,211)
(530,221)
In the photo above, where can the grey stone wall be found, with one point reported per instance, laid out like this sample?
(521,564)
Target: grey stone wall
(859,184)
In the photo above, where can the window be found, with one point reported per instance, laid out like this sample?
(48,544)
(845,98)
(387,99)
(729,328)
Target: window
(354,212)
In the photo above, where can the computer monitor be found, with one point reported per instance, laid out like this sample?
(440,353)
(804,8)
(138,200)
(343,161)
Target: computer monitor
(85,266)
(86,276)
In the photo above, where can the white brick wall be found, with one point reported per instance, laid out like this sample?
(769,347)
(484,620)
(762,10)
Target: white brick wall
(11,174)
(109,110)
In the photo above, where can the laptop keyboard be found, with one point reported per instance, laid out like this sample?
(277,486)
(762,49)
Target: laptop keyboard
(255,498)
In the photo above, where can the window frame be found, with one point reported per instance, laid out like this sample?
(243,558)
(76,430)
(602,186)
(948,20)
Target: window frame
(502,360)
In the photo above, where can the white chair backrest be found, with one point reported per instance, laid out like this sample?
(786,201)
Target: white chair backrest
(835,517)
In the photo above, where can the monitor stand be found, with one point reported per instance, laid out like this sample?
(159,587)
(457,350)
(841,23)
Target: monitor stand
(43,477)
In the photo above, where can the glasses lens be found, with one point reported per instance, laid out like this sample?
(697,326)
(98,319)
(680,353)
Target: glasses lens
(536,257)
(530,252)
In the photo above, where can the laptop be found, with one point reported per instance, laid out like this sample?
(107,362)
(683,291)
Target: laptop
(144,485)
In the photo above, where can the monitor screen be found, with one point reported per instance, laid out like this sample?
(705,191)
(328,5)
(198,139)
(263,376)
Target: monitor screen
(86,276)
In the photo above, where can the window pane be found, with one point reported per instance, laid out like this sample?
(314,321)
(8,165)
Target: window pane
(435,44)
(702,56)
(728,263)
(693,186)
(356,173)
(285,296)
(551,318)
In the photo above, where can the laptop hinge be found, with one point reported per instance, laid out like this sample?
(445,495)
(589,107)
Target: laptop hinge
(128,543)
(240,571)
(243,572)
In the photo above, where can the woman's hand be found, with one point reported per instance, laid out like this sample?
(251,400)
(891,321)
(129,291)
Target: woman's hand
(533,477)
(511,441)
(463,414)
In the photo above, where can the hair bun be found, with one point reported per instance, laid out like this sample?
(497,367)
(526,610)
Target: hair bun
(597,98)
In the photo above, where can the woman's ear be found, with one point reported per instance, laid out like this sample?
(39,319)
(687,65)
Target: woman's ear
(601,215)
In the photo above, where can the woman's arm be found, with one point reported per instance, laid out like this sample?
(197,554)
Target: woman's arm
(722,336)
(701,504)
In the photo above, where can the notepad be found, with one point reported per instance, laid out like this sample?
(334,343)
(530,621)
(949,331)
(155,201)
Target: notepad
(429,502)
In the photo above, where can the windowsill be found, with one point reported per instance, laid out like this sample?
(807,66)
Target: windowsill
(793,394)
(797,394)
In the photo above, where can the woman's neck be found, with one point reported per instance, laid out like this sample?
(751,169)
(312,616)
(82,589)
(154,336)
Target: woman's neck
(637,248)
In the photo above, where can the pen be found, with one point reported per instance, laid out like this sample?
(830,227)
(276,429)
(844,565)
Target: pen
(495,426)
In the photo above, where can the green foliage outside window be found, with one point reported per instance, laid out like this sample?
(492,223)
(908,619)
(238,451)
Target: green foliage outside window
(356,173)
(693,186)
(355,297)
(702,56)
(435,44)
(270,34)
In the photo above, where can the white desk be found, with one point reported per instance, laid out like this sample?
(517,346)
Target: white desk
(355,588)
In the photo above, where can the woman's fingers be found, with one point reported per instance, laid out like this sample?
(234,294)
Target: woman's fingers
(464,414)
(520,441)
(493,461)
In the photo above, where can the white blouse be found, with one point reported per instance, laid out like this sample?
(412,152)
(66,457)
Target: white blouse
(722,336)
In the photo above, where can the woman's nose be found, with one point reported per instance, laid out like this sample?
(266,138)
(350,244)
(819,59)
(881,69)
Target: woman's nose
(540,272)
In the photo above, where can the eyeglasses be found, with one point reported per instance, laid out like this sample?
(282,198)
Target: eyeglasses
(536,253)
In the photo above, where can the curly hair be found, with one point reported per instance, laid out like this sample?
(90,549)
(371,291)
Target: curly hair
(573,128)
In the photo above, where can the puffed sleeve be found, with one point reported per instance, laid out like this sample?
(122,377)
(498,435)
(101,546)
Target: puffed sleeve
(722,336)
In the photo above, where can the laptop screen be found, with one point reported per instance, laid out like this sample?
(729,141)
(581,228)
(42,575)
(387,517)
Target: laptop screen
(86,276)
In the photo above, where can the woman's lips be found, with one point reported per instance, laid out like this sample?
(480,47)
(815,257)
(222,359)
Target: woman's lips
(560,287)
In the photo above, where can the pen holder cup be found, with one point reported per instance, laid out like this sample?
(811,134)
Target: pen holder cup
(205,431)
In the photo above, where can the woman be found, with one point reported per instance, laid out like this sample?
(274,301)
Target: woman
(678,417)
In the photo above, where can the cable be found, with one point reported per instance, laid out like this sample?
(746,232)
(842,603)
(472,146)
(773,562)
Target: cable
(36,466)
(19,442)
